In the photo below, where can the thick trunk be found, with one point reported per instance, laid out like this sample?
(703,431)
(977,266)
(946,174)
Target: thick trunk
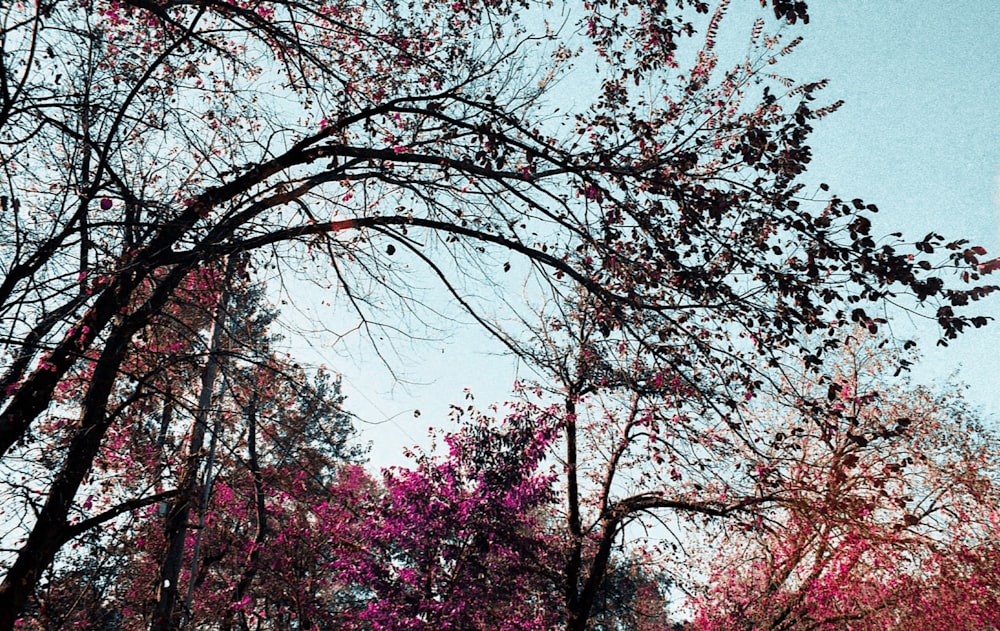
(52,529)
(581,587)
(579,615)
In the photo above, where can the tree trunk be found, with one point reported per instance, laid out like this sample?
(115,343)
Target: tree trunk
(52,528)
(178,514)
(250,567)
(574,561)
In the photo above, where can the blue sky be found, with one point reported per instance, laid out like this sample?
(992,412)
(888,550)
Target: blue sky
(919,136)
(920,130)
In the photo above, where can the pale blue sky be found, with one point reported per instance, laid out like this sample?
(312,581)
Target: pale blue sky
(919,135)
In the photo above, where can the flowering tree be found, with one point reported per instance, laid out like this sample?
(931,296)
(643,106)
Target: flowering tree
(643,450)
(884,513)
(460,542)
(145,143)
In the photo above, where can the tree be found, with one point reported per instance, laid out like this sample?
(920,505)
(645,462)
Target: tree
(884,514)
(459,542)
(644,448)
(455,541)
(272,439)
(144,142)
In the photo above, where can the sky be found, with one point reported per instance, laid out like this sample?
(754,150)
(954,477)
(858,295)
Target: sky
(920,130)
(918,135)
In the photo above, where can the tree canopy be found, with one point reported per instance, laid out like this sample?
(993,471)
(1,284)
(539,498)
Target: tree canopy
(166,164)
